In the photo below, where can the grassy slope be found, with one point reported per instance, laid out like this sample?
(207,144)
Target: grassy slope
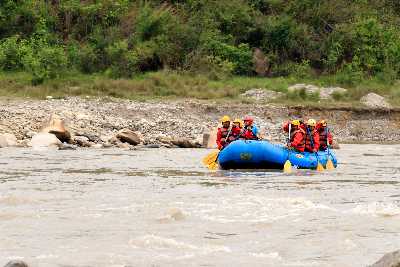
(173,85)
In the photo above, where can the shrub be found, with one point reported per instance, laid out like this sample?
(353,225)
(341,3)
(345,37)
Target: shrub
(240,56)
(124,63)
(47,62)
(12,51)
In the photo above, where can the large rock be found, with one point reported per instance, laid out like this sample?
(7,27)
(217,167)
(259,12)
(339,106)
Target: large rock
(210,138)
(185,143)
(262,94)
(375,101)
(260,63)
(82,141)
(389,260)
(328,92)
(45,140)
(16,264)
(7,140)
(55,125)
(130,137)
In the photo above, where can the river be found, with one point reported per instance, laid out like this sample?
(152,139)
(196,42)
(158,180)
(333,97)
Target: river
(161,207)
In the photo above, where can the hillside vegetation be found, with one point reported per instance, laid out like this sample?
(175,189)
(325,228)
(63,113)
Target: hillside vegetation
(352,42)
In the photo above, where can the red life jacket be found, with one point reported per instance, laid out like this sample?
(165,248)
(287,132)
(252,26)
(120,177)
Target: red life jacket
(325,138)
(311,143)
(248,133)
(222,134)
(236,132)
(301,145)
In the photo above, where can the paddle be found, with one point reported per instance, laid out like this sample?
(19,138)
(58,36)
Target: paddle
(320,168)
(212,158)
(329,163)
(287,168)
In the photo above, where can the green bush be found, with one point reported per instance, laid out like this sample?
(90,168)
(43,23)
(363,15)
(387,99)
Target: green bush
(12,51)
(240,56)
(47,62)
(124,62)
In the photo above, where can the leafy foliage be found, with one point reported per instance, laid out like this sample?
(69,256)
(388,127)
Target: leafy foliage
(353,40)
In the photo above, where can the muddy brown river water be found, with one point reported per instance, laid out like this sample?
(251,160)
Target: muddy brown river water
(161,207)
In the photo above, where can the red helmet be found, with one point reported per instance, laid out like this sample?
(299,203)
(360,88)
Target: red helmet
(248,118)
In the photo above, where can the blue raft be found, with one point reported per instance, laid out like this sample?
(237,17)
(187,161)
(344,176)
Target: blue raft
(246,154)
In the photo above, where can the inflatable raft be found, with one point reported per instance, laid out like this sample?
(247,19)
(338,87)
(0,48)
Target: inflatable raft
(246,154)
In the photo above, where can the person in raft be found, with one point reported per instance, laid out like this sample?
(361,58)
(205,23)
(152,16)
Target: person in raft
(325,136)
(312,137)
(224,132)
(250,131)
(297,135)
(237,130)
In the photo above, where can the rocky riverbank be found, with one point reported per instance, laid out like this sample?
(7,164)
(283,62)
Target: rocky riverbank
(181,123)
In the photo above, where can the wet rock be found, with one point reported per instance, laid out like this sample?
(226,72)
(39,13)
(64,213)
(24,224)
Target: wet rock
(125,146)
(55,125)
(260,63)
(66,146)
(45,140)
(152,146)
(16,264)
(185,143)
(82,141)
(389,260)
(7,140)
(107,145)
(375,101)
(262,94)
(128,136)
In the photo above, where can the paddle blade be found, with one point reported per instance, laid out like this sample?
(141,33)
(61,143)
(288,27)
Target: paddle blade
(210,158)
(287,168)
(329,165)
(320,168)
(213,166)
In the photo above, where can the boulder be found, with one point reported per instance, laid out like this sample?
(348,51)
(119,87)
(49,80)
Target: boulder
(45,140)
(391,259)
(375,101)
(90,136)
(125,146)
(185,143)
(210,138)
(16,264)
(262,94)
(328,92)
(55,125)
(82,141)
(7,140)
(164,139)
(130,137)
(260,63)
